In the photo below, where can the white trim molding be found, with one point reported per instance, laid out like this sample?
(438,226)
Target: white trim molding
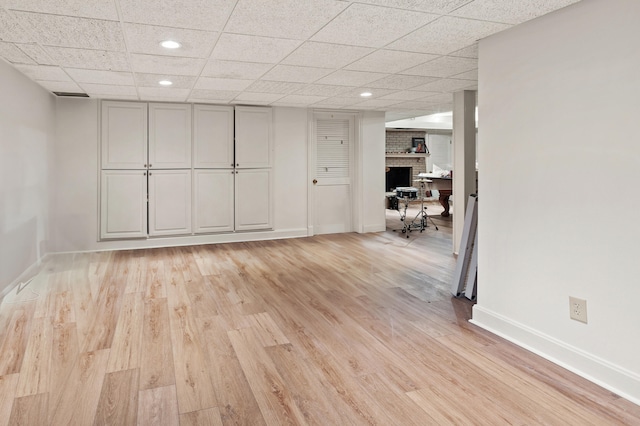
(622,382)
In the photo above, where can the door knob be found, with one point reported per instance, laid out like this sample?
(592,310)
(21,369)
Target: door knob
(315,181)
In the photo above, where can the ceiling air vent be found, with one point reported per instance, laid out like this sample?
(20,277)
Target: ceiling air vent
(71,94)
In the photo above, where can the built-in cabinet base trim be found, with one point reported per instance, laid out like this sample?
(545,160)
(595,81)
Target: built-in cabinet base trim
(610,376)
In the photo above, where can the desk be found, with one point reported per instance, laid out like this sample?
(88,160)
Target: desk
(444,187)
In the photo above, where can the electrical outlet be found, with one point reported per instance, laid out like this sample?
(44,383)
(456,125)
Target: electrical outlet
(578,309)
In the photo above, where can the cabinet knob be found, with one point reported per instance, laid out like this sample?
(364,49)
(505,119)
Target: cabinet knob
(150,165)
(237,165)
(149,173)
(145,173)
(231,164)
(145,166)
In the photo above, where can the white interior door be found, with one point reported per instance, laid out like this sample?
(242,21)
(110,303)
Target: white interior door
(332,188)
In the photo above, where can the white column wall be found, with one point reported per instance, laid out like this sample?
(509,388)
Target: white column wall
(373,177)
(558,207)
(27,134)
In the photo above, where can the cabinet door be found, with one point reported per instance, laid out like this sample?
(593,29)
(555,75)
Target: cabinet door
(169,202)
(124,135)
(213,192)
(253,137)
(123,204)
(169,136)
(212,137)
(253,199)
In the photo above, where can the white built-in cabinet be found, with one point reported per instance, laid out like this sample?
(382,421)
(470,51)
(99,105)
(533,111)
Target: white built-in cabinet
(180,169)
(123,204)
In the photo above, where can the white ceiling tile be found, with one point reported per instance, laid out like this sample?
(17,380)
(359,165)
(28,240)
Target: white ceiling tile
(375,92)
(98,9)
(284,88)
(43,72)
(444,66)
(13,54)
(101,77)
(467,52)
(154,64)
(389,61)
(116,97)
(469,75)
(151,80)
(417,105)
(401,82)
(11,31)
(325,55)
(512,12)
(209,15)
(323,90)
(443,85)
(441,7)
(176,98)
(68,31)
(405,95)
(438,98)
(61,86)
(295,73)
(234,69)
(146,39)
(260,98)
(336,102)
(163,93)
(283,18)
(446,35)
(37,53)
(300,99)
(376,103)
(245,48)
(106,89)
(351,78)
(371,26)
(214,95)
(90,59)
(227,84)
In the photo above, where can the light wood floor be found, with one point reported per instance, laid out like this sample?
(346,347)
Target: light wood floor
(331,330)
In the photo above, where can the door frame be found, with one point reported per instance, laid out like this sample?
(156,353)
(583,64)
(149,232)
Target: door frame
(354,165)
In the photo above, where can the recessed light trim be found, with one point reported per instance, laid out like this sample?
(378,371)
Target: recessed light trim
(165,83)
(170,44)
(366,94)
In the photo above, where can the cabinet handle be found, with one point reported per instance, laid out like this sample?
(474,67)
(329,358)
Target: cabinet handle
(150,165)
(149,173)
(237,165)
(231,164)
(236,172)
(145,173)
(145,166)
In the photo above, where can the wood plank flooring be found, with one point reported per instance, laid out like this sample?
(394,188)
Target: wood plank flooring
(331,330)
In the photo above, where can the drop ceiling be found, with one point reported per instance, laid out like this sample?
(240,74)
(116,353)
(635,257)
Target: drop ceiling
(410,54)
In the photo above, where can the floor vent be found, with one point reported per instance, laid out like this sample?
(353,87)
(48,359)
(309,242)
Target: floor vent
(71,94)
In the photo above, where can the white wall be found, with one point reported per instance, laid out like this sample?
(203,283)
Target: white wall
(76,191)
(372,166)
(559,157)
(27,114)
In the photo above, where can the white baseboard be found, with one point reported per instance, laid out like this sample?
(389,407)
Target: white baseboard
(191,240)
(597,370)
(374,228)
(24,276)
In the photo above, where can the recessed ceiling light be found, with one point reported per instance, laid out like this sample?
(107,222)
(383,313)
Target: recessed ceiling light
(165,83)
(170,44)
(366,94)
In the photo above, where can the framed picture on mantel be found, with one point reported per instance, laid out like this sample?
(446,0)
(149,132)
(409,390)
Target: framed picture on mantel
(419,144)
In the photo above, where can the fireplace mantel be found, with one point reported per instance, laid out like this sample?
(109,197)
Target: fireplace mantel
(404,155)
